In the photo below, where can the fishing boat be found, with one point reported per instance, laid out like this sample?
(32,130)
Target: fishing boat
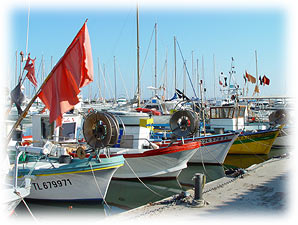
(143,158)
(63,180)
(12,196)
(162,162)
(258,142)
(252,139)
(12,193)
(214,147)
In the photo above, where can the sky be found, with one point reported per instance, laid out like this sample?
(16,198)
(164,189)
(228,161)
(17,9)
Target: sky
(207,35)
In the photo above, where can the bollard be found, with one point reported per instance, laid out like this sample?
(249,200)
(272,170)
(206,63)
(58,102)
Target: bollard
(199,184)
(198,200)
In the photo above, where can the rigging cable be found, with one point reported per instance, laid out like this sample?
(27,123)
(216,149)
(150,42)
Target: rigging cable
(186,70)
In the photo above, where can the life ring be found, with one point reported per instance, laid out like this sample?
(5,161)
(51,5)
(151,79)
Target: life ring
(150,111)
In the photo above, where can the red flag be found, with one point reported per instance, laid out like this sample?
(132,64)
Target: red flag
(73,71)
(265,80)
(30,67)
(220,83)
(250,78)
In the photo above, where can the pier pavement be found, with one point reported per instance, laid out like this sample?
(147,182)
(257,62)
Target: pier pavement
(261,192)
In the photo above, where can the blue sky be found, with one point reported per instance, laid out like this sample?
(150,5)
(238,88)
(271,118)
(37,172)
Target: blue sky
(224,33)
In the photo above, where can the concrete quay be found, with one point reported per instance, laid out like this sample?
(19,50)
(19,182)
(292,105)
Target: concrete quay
(262,192)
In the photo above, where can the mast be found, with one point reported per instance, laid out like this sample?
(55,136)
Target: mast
(138,61)
(115,79)
(198,76)
(175,74)
(104,87)
(155,74)
(98,68)
(214,76)
(256,69)
(184,77)
(166,76)
(192,68)
(16,71)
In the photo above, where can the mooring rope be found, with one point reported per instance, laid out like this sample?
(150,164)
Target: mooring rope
(97,185)
(30,212)
(143,182)
(251,150)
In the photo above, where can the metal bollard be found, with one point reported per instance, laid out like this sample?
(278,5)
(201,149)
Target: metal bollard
(199,182)
(198,200)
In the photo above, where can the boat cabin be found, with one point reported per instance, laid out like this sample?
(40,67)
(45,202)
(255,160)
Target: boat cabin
(43,130)
(223,118)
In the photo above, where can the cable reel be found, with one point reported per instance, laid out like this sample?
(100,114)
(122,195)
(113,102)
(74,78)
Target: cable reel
(184,123)
(100,129)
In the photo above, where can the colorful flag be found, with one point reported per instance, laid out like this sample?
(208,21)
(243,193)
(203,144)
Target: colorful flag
(30,67)
(250,78)
(257,90)
(17,97)
(245,80)
(265,80)
(73,71)
(260,79)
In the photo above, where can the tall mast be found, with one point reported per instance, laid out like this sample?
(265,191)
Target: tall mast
(138,60)
(98,69)
(184,77)
(166,76)
(214,76)
(115,79)
(155,74)
(192,68)
(16,72)
(256,68)
(175,74)
(104,87)
(198,76)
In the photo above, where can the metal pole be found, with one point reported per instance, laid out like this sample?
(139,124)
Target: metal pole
(175,74)
(138,61)
(115,79)
(155,74)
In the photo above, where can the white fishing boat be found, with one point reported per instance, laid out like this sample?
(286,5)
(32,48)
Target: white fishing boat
(62,181)
(12,193)
(143,159)
(163,162)
(12,196)
(214,147)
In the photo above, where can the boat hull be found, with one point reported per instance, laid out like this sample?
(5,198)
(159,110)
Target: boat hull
(74,183)
(164,163)
(214,149)
(259,142)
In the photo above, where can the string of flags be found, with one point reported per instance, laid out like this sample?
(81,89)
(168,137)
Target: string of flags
(249,78)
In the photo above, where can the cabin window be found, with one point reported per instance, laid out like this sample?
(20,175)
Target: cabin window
(67,131)
(47,128)
(221,113)
(241,112)
(213,113)
(231,113)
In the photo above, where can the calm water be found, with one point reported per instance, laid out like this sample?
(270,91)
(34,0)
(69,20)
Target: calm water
(126,195)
